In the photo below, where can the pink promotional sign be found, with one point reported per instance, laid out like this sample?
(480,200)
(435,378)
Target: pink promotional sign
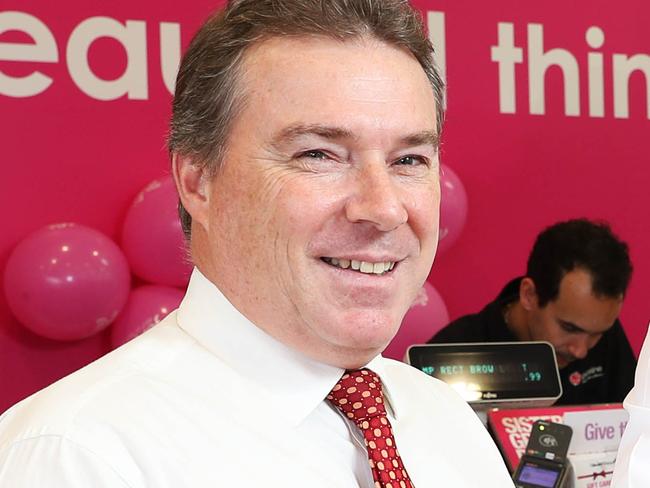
(548,116)
(511,428)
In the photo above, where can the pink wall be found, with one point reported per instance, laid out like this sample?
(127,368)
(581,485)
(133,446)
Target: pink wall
(69,156)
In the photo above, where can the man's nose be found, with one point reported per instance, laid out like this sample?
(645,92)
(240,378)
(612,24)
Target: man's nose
(579,347)
(376,198)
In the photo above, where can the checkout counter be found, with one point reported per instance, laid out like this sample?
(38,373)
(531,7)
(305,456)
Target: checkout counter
(512,387)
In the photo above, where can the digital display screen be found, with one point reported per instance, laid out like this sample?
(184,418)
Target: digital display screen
(492,371)
(538,476)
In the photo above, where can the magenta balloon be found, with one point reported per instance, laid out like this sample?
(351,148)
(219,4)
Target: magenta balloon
(453,208)
(152,238)
(146,306)
(66,281)
(427,315)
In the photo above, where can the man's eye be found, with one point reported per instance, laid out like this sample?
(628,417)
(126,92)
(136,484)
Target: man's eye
(411,160)
(572,329)
(313,154)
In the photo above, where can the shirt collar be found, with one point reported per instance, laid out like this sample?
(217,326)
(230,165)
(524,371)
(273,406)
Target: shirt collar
(382,367)
(296,383)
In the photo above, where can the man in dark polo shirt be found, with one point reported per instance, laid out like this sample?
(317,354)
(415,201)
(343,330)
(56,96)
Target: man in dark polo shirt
(571,296)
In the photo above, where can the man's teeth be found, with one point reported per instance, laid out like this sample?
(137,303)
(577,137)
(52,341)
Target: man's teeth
(362,266)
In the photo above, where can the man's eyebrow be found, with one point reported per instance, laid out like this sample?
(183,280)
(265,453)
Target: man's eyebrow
(293,132)
(577,328)
(572,326)
(422,138)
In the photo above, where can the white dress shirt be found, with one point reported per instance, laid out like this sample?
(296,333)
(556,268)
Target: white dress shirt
(633,460)
(207,399)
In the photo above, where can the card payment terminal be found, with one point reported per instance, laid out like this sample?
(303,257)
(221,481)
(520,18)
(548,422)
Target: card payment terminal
(544,464)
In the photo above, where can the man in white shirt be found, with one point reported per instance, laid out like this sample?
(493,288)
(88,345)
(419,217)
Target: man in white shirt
(304,144)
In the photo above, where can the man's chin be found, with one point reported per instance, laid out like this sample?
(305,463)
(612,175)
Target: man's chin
(347,356)
(360,348)
(361,332)
(563,362)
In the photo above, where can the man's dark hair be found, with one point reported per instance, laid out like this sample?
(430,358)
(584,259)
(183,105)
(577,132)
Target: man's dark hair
(581,244)
(208,93)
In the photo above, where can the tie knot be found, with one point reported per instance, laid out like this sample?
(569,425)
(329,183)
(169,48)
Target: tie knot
(358,394)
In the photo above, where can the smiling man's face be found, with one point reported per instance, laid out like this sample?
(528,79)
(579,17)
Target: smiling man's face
(323,222)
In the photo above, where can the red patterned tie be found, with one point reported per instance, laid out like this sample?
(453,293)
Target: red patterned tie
(359,396)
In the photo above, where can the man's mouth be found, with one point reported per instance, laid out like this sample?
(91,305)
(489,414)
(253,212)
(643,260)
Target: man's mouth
(366,267)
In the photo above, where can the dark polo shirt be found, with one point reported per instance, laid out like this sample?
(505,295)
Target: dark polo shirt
(605,375)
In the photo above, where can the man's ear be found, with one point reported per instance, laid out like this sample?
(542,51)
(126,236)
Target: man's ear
(192,184)
(528,294)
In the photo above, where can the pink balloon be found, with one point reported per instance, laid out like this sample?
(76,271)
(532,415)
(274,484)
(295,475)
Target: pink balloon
(66,281)
(152,238)
(147,305)
(427,315)
(453,208)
